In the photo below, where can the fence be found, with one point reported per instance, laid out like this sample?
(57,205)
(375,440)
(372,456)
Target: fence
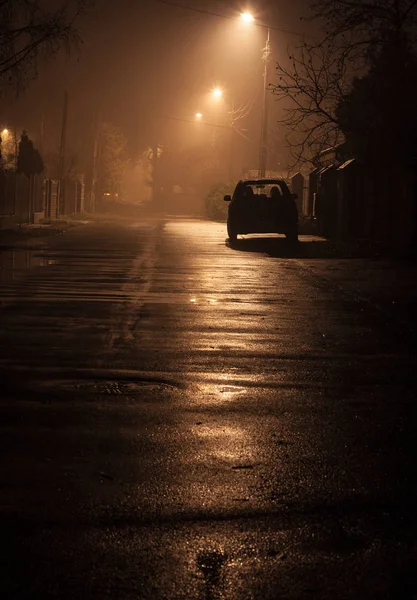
(31,199)
(21,199)
(350,202)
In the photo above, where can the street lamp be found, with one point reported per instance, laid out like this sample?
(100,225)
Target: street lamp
(266,55)
(217,93)
(198,116)
(247,17)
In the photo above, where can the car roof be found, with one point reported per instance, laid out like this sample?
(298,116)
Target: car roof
(263,180)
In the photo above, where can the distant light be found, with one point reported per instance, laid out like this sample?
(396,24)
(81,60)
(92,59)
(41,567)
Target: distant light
(5,131)
(247,17)
(198,115)
(217,93)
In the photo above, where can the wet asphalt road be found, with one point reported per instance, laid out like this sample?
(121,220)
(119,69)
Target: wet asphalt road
(182,419)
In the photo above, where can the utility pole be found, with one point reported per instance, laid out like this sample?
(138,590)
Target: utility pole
(16,146)
(62,153)
(42,132)
(232,141)
(95,165)
(264,125)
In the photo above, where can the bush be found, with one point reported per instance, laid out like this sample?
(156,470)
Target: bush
(216,207)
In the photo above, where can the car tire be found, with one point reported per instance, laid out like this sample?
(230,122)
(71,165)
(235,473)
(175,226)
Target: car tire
(231,232)
(291,234)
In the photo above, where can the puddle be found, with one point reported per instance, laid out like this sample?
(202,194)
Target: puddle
(16,262)
(108,387)
(112,388)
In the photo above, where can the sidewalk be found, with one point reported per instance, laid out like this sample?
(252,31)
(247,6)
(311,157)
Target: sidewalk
(21,234)
(25,233)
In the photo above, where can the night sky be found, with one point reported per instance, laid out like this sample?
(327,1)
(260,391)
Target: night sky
(142,61)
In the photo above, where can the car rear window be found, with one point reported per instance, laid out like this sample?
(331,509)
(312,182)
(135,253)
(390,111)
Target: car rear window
(264,189)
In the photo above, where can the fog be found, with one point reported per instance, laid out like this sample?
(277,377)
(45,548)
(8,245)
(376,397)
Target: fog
(146,69)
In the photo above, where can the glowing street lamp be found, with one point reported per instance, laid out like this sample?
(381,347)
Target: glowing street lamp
(217,93)
(246,17)
(198,116)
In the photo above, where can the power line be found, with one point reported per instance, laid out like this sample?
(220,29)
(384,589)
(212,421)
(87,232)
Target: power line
(240,132)
(213,14)
(191,121)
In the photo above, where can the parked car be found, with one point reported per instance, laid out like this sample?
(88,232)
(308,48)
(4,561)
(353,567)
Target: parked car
(262,206)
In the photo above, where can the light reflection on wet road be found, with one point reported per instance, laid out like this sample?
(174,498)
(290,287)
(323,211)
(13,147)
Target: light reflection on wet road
(196,421)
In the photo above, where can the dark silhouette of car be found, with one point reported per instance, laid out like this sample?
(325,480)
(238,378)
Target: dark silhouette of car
(262,206)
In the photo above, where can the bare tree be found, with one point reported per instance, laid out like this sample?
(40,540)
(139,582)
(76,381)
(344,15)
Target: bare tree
(31,30)
(310,88)
(320,75)
(366,23)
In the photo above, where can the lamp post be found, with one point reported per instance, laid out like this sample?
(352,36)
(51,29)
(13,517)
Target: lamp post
(232,140)
(247,18)
(264,124)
